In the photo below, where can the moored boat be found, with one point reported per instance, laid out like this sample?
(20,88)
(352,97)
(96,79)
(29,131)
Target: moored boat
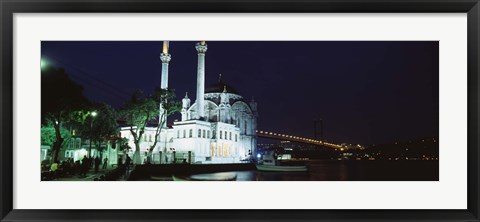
(263,167)
(222,176)
(271,162)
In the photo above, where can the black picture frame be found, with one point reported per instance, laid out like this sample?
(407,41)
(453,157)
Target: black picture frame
(9,7)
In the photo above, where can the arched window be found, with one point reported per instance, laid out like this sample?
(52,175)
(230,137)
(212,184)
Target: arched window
(204,134)
(191,133)
(184,133)
(199,133)
(220,134)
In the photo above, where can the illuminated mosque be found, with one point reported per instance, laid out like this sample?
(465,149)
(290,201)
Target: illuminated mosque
(219,127)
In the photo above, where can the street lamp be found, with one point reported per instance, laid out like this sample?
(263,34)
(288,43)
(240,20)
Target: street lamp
(93,114)
(43,64)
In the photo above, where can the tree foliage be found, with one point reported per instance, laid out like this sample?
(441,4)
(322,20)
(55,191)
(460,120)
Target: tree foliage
(48,136)
(123,145)
(62,102)
(100,128)
(141,109)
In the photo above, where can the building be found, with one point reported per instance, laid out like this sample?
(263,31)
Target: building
(219,127)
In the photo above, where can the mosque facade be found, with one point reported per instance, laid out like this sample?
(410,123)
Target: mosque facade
(218,127)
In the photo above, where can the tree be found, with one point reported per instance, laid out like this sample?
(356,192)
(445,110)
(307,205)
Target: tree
(142,109)
(48,135)
(165,98)
(123,145)
(100,128)
(62,101)
(105,126)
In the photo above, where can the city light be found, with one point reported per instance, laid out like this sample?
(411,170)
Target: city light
(295,138)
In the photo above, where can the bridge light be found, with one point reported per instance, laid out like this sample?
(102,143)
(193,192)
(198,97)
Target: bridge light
(261,131)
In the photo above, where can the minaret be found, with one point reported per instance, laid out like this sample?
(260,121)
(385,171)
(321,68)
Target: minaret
(201,49)
(185,106)
(253,106)
(224,96)
(165,57)
(224,106)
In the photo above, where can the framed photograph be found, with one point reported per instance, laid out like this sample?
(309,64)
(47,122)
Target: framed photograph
(251,111)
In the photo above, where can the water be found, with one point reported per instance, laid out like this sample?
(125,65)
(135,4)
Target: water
(333,170)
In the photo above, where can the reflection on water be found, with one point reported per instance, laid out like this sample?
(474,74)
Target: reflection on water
(343,171)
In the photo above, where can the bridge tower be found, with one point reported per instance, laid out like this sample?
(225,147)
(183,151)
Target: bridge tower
(253,106)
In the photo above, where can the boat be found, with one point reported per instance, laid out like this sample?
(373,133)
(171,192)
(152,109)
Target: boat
(159,178)
(263,167)
(222,176)
(271,162)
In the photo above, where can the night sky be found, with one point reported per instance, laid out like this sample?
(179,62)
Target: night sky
(365,92)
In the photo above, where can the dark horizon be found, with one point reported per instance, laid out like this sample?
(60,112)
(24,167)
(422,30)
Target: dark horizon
(365,92)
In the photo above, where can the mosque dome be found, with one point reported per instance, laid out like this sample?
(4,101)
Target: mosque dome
(219,86)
